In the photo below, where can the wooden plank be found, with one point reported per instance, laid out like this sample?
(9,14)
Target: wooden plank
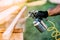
(1,36)
(8,32)
(36,3)
(9,3)
(15,36)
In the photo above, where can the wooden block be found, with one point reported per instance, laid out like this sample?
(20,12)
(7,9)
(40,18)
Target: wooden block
(15,36)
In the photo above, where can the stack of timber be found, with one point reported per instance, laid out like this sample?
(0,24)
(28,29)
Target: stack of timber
(12,25)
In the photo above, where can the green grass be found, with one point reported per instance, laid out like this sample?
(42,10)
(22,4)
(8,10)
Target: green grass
(32,33)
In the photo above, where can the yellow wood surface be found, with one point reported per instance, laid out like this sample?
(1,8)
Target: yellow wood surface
(17,32)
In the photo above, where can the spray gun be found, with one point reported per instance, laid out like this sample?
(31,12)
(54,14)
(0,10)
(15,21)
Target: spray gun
(38,19)
(40,25)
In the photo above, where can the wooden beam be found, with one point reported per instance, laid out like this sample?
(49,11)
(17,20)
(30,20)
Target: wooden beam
(2,30)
